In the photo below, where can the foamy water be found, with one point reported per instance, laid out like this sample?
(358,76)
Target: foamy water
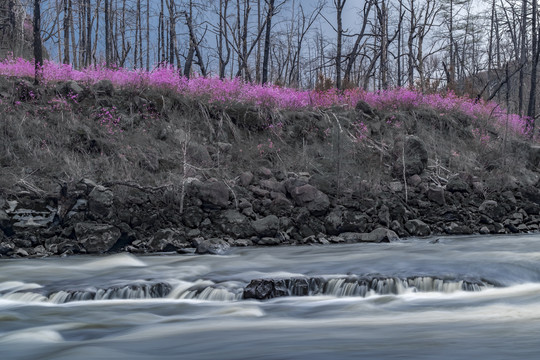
(465,297)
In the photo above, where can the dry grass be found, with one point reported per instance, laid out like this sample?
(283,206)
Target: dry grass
(162,137)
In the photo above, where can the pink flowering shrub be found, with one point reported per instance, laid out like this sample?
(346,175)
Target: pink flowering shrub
(224,93)
(109,119)
(481,136)
(361,131)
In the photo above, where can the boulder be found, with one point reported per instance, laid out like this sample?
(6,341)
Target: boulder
(167,240)
(246,178)
(235,224)
(436,195)
(272,186)
(242,242)
(268,241)
(493,210)
(262,289)
(214,193)
(267,226)
(351,237)
(100,201)
(96,238)
(6,248)
(324,182)
(281,206)
(457,183)
(484,230)
(341,220)
(264,173)
(74,88)
(416,156)
(28,219)
(380,235)
(457,229)
(396,227)
(198,154)
(5,222)
(414,180)
(384,215)
(364,107)
(212,246)
(292,183)
(21,252)
(193,216)
(334,221)
(259,192)
(310,197)
(354,221)
(104,87)
(417,227)
(396,186)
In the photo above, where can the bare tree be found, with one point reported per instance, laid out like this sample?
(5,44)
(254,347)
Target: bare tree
(523,54)
(339,5)
(223,41)
(193,44)
(360,42)
(531,109)
(38,53)
(305,24)
(266,57)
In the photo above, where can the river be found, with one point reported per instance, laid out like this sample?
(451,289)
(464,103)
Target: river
(448,298)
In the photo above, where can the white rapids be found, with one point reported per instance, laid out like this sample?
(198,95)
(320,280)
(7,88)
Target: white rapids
(464,297)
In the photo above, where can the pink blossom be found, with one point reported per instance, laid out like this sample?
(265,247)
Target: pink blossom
(228,92)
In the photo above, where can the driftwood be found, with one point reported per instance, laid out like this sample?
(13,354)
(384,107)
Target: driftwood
(149,189)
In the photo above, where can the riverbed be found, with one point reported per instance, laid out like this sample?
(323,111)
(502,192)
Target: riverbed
(447,298)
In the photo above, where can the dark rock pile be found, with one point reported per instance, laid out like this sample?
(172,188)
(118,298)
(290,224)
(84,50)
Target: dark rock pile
(265,209)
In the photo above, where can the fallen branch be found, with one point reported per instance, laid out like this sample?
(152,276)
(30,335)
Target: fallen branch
(30,187)
(150,189)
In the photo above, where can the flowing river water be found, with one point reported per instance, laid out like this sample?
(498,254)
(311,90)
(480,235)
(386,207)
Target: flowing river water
(451,298)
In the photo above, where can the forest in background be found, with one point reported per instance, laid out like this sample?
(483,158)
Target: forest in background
(469,47)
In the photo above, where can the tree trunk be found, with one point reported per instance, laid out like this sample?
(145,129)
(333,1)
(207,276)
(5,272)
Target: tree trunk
(351,57)
(223,38)
(531,109)
(88,33)
(194,45)
(66,31)
(523,55)
(162,32)
(383,21)
(410,44)
(452,70)
(339,4)
(266,54)
(258,55)
(72,29)
(172,31)
(107,36)
(147,35)
(82,33)
(38,53)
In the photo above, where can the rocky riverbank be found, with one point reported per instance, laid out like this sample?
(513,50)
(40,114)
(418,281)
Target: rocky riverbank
(263,208)
(93,169)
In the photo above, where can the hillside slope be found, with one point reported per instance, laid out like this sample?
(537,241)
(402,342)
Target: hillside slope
(92,167)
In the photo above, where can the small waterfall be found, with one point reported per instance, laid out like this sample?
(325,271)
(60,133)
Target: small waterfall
(25,297)
(206,290)
(135,291)
(357,286)
(395,286)
(259,289)
(19,291)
